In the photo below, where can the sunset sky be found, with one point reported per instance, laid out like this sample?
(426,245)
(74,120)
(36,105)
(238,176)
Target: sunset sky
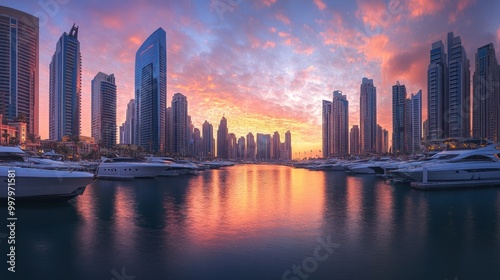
(265,64)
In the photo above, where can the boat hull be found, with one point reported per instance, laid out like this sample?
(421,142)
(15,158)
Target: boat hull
(34,184)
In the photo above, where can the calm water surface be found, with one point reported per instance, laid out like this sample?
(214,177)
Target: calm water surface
(257,222)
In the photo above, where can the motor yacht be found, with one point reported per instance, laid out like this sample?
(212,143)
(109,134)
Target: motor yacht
(34,182)
(174,167)
(479,164)
(128,168)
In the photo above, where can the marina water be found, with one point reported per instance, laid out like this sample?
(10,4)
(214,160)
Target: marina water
(259,222)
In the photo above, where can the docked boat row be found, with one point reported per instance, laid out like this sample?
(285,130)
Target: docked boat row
(445,169)
(150,167)
(25,178)
(46,177)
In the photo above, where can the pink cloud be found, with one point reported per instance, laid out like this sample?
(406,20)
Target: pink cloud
(281,17)
(269,44)
(268,2)
(461,6)
(374,14)
(320,4)
(418,8)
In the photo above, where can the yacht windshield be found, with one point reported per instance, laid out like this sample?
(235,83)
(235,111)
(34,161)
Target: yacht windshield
(12,157)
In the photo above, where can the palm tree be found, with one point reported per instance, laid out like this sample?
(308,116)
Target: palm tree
(5,135)
(14,141)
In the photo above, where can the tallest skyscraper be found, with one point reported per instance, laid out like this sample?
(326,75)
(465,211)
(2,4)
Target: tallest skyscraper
(19,67)
(65,87)
(151,92)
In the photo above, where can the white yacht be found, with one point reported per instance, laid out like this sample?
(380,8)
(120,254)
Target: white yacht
(128,168)
(369,167)
(35,182)
(464,165)
(173,167)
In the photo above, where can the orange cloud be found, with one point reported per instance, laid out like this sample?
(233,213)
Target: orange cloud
(320,4)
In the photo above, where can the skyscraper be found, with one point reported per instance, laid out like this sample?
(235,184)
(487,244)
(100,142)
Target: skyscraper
(263,146)
(251,148)
(459,89)
(416,121)
(208,140)
(128,127)
(241,148)
(354,140)
(288,144)
(196,143)
(398,118)
(380,140)
(368,116)
(275,147)
(222,133)
(437,97)
(180,125)
(486,96)
(385,141)
(104,109)
(232,146)
(169,131)
(19,72)
(340,124)
(151,92)
(65,87)
(327,128)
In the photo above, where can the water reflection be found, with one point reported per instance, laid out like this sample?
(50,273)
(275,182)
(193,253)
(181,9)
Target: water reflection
(255,222)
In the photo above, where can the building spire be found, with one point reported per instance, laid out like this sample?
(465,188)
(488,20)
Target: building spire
(74,31)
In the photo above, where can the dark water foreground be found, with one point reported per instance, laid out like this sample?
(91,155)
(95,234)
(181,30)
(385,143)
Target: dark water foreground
(258,222)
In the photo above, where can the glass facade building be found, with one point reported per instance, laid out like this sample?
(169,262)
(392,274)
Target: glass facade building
(65,87)
(368,116)
(104,109)
(19,45)
(151,92)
